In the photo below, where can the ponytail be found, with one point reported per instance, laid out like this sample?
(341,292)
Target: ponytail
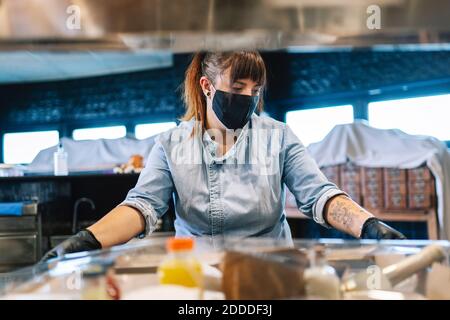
(193,95)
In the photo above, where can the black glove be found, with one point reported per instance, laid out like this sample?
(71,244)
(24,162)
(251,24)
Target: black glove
(82,241)
(375,229)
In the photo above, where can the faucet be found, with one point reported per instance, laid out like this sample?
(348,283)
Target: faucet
(75,212)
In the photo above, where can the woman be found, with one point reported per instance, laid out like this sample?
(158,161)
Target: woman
(226,169)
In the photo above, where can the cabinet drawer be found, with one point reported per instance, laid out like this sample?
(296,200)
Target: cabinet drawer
(421,186)
(395,187)
(17,224)
(422,173)
(18,249)
(371,187)
(373,200)
(393,174)
(350,173)
(351,188)
(372,174)
(419,201)
(395,201)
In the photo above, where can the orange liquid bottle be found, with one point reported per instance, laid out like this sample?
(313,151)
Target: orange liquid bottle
(181,267)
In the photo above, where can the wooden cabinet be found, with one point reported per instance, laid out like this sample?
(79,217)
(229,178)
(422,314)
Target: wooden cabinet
(391,194)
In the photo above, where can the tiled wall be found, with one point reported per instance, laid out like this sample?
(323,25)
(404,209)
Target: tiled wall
(155,93)
(92,99)
(326,73)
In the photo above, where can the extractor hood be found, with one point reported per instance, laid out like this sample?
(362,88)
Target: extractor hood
(44,40)
(190,25)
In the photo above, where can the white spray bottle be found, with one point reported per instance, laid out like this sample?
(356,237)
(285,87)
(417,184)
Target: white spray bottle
(60,159)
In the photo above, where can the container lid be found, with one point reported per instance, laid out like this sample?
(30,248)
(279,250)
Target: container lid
(179,244)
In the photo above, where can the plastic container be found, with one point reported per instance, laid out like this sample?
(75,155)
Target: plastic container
(60,160)
(181,267)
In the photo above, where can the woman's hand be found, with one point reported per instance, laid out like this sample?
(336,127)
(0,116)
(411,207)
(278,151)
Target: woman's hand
(82,241)
(119,226)
(375,229)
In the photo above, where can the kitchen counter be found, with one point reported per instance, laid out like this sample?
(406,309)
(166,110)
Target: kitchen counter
(135,266)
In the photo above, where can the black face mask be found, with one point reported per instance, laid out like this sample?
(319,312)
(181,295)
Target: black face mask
(234,110)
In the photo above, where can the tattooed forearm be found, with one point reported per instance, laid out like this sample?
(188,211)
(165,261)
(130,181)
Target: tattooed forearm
(346,215)
(341,214)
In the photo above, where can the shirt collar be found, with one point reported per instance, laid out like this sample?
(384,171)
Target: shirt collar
(211,145)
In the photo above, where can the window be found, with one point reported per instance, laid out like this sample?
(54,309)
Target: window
(421,116)
(146,130)
(23,147)
(115,132)
(312,125)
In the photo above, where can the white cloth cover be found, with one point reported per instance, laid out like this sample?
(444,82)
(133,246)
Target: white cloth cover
(370,147)
(93,155)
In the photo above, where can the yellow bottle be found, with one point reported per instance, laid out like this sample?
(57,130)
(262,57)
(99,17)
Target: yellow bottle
(181,267)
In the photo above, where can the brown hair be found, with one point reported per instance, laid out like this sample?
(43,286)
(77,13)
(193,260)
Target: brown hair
(244,65)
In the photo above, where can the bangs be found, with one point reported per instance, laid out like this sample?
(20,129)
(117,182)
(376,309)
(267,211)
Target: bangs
(247,65)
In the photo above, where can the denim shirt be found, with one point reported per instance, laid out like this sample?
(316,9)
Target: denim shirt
(239,194)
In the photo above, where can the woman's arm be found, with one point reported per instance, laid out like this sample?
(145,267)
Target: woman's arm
(119,226)
(150,197)
(346,215)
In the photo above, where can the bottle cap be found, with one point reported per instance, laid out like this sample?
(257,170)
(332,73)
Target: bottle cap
(177,244)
